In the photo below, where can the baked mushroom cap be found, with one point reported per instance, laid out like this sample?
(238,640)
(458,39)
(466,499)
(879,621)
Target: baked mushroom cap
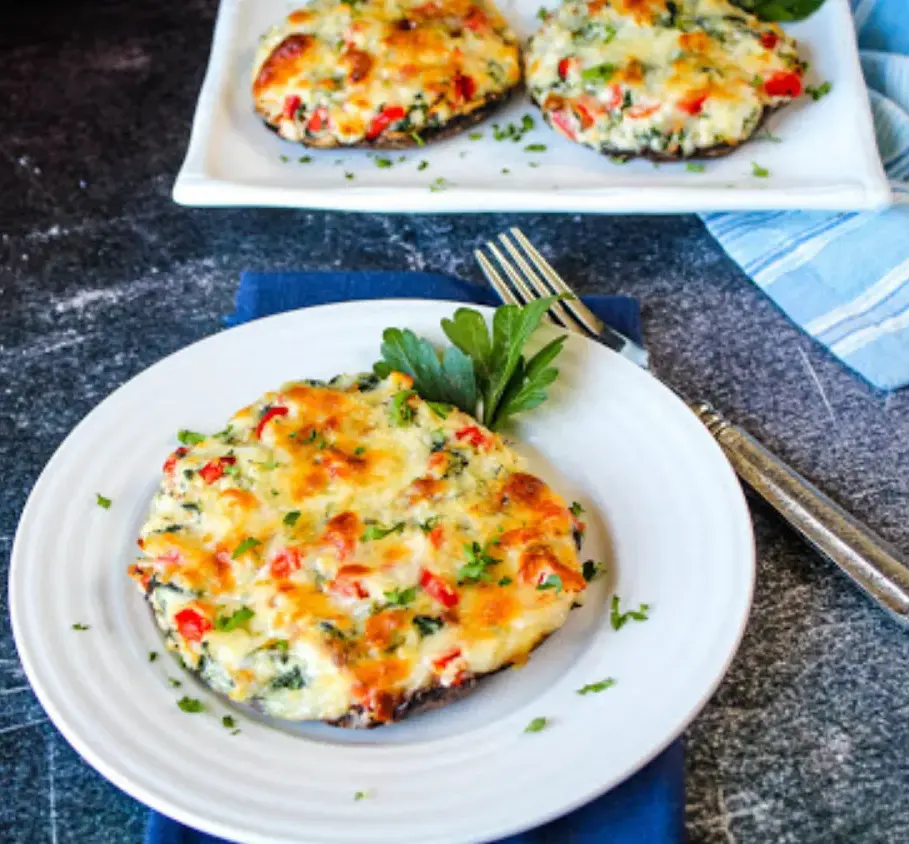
(346,552)
(659,79)
(384,73)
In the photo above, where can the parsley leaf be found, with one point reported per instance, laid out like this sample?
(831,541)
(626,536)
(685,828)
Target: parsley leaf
(399,410)
(619,619)
(596,688)
(576,509)
(228,722)
(174,683)
(475,136)
(551,582)
(821,91)
(80,627)
(422,165)
(536,725)
(439,184)
(507,383)
(758,171)
(781,10)
(542,13)
(360,795)
(290,518)
(383,162)
(376,531)
(191,705)
(189,437)
(427,625)
(505,581)
(102,501)
(448,378)
(246,545)
(477,563)
(695,167)
(152,656)
(226,623)
(398,597)
(535,148)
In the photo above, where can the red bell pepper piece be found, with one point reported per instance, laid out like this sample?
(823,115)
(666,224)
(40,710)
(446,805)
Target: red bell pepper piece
(438,589)
(192,625)
(783,84)
(388,115)
(269,414)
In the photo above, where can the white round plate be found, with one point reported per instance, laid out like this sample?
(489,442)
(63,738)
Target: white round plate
(665,512)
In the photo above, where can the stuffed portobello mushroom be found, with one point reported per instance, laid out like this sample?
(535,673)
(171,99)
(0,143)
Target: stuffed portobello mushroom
(384,73)
(661,79)
(347,552)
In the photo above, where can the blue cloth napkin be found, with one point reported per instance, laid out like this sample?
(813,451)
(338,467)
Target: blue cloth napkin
(646,809)
(844,278)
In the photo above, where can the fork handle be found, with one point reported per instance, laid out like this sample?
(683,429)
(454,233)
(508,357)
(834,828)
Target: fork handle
(872,563)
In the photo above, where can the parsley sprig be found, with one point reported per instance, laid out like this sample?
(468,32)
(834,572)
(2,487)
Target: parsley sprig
(619,619)
(478,561)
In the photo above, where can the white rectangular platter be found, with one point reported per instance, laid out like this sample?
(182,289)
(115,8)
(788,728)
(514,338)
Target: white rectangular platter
(825,158)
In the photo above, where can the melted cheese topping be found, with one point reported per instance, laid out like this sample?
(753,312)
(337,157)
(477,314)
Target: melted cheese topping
(627,76)
(338,73)
(343,547)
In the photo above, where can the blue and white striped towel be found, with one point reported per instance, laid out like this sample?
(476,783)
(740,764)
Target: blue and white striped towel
(844,278)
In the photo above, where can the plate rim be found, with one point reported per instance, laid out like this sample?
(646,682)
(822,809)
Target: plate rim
(150,799)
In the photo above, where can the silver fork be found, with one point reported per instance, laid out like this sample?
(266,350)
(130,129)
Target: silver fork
(872,563)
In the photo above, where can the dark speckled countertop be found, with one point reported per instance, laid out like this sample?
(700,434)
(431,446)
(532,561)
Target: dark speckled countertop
(101,275)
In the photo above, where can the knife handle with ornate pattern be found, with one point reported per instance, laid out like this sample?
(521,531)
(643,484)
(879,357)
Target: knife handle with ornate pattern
(871,562)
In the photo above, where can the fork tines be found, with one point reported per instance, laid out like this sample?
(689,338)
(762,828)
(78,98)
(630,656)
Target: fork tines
(531,277)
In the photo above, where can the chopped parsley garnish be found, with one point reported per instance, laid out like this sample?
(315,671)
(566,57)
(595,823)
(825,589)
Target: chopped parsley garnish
(376,531)
(152,656)
(596,688)
(757,81)
(417,139)
(590,570)
(228,722)
(304,159)
(102,501)
(427,625)
(821,91)
(551,582)
(398,597)
(226,623)
(440,184)
(285,159)
(422,165)
(360,795)
(475,136)
(174,683)
(758,171)
(400,411)
(505,171)
(282,644)
(429,524)
(478,560)
(618,159)
(290,518)
(619,619)
(349,176)
(189,437)
(505,581)
(330,629)
(383,162)
(599,73)
(246,545)
(439,408)
(535,148)
(191,705)
(695,167)
(575,509)
(767,135)
(79,626)
(360,449)
(542,14)
(536,725)
(511,131)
